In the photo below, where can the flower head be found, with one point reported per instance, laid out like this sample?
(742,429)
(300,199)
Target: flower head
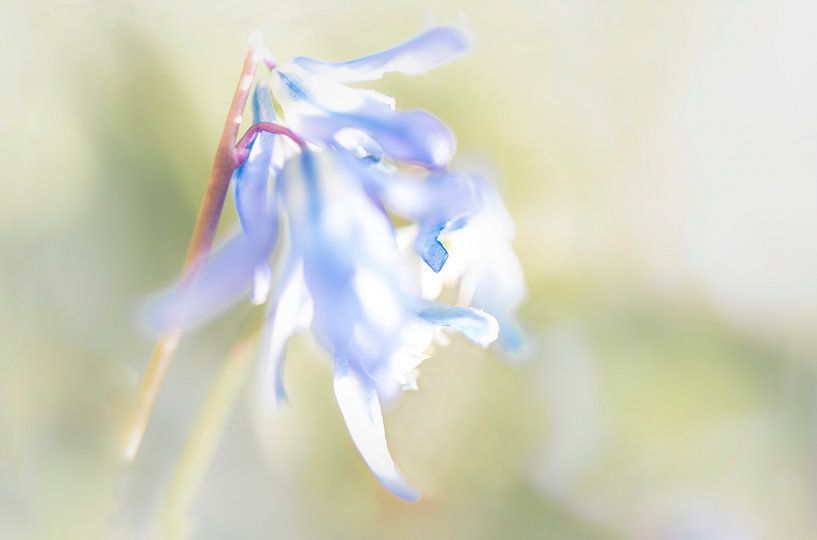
(342,275)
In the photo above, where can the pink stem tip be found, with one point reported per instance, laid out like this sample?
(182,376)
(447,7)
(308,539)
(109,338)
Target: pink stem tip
(242,146)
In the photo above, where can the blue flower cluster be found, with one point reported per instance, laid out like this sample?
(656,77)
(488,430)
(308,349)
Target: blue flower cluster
(324,214)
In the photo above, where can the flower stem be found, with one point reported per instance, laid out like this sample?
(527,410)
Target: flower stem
(199,247)
(202,442)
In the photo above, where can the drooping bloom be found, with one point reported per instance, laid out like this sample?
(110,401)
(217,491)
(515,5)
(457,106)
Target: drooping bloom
(341,273)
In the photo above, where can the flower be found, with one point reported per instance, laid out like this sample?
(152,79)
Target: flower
(341,273)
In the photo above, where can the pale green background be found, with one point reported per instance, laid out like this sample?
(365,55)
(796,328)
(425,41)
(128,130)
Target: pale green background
(660,160)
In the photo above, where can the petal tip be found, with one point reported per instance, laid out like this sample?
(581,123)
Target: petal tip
(476,325)
(405,492)
(513,340)
(282,402)
(459,39)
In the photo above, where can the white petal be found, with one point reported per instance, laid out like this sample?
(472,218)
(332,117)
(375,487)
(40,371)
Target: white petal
(290,312)
(262,284)
(360,406)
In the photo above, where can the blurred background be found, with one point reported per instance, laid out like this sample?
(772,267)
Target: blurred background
(659,159)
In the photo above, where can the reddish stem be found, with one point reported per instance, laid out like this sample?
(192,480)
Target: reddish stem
(241,148)
(200,244)
(221,172)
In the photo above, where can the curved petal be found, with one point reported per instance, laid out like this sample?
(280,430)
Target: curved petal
(360,144)
(262,108)
(290,312)
(415,137)
(252,202)
(228,275)
(429,247)
(513,339)
(421,53)
(442,202)
(250,186)
(476,325)
(500,289)
(333,218)
(261,284)
(318,109)
(360,406)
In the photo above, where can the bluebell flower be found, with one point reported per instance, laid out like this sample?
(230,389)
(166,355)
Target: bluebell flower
(324,212)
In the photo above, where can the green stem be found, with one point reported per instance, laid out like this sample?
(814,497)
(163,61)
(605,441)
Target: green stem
(205,434)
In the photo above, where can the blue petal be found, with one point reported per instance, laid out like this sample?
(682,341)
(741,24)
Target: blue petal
(227,276)
(332,215)
(252,202)
(439,203)
(360,144)
(426,51)
(428,245)
(415,137)
(360,406)
(262,107)
(351,260)
(430,248)
(318,109)
(476,325)
(513,339)
(290,312)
